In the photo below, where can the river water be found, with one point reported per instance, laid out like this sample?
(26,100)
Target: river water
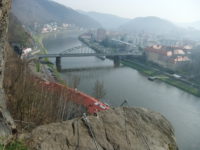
(180,108)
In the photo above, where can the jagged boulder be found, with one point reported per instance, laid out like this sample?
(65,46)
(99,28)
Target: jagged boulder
(115,129)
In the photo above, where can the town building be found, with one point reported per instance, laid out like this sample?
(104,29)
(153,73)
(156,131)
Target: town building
(100,35)
(168,57)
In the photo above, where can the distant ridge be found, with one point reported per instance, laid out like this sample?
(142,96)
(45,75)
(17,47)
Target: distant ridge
(195,25)
(30,12)
(107,21)
(150,25)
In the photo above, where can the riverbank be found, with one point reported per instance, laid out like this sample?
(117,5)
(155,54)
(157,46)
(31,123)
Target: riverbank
(153,71)
(46,67)
(148,71)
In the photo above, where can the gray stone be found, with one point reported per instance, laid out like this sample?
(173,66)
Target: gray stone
(6,121)
(117,129)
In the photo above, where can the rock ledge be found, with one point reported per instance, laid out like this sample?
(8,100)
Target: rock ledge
(116,129)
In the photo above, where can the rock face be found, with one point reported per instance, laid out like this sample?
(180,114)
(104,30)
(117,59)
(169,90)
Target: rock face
(6,122)
(117,129)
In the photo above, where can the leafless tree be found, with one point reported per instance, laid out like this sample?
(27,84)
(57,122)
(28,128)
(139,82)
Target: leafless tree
(76,81)
(99,91)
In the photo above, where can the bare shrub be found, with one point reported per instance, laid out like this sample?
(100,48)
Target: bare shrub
(99,91)
(33,101)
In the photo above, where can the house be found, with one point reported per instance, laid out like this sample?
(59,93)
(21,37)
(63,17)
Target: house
(167,57)
(26,52)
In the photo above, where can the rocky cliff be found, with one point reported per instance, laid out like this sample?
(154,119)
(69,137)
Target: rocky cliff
(117,129)
(6,123)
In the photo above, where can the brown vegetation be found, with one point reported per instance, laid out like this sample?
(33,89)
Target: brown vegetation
(99,91)
(31,103)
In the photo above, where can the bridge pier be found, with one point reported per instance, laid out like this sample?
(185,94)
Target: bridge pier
(58,64)
(116,61)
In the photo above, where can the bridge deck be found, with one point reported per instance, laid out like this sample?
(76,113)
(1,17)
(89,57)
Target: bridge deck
(85,55)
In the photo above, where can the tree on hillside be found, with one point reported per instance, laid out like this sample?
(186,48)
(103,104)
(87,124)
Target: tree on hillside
(99,91)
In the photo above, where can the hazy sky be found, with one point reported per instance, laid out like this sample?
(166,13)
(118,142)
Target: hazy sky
(173,10)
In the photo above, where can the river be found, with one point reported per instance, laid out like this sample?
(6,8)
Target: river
(124,83)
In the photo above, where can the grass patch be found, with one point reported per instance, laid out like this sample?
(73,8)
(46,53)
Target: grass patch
(57,74)
(39,40)
(140,68)
(169,80)
(16,145)
(183,86)
(37,65)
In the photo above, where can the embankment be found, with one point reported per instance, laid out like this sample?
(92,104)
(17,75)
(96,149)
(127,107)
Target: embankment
(149,71)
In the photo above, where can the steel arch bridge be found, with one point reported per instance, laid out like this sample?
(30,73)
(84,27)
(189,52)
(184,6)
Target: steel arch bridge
(85,51)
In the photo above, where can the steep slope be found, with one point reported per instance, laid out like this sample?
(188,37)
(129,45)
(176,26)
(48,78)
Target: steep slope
(17,34)
(31,12)
(150,25)
(7,126)
(108,21)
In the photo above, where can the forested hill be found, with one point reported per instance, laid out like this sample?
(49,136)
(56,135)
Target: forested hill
(149,25)
(31,12)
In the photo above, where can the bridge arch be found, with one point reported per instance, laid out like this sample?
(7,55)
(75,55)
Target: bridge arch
(69,53)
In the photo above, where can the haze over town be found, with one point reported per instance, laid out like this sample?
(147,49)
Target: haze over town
(181,11)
